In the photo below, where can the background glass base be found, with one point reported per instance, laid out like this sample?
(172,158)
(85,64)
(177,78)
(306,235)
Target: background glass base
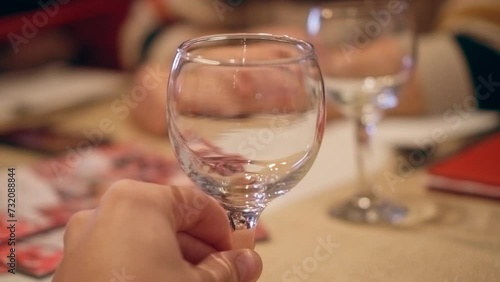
(374,210)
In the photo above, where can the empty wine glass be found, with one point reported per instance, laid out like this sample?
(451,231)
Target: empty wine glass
(368,53)
(246,119)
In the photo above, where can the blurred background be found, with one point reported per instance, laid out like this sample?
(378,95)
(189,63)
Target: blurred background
(105,41)
(83,84)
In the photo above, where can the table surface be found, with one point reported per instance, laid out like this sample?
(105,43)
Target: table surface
(459,243)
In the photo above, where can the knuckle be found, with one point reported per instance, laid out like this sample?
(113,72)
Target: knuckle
(122,190)
(75,224)
(123,185)
(78,219)
(133,193)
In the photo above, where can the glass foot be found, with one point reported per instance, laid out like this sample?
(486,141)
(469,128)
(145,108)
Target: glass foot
(373,210)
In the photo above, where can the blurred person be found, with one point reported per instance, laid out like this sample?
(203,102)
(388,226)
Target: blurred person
(457,58)
(149,232)
(34,33)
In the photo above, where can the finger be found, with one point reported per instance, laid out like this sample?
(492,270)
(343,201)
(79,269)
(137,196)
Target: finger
(193,249)
(230,266)
(200,216)
(75,229)
(181,209)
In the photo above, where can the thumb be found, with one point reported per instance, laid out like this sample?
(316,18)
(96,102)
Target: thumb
(230,266)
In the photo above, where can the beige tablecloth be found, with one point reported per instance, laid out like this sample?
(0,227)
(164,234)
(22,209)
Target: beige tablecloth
(460,243)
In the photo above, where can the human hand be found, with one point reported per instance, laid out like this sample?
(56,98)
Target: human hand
(235,91)
(154,233)
(227,92)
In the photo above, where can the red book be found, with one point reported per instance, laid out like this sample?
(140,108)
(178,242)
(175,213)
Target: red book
(475,170)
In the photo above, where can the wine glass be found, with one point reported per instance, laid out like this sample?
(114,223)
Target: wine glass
(246,116)
(368,53)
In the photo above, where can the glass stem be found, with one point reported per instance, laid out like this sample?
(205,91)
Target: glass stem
(364,132)
(243,225)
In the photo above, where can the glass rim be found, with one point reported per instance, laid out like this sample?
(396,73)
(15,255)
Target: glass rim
(305,48)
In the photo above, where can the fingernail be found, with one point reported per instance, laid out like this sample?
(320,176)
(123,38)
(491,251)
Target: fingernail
(246,263)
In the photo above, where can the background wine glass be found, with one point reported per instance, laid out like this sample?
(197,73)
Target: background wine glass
(246,119)
(368,54)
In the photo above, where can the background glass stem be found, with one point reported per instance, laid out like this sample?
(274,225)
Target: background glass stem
(365,128)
